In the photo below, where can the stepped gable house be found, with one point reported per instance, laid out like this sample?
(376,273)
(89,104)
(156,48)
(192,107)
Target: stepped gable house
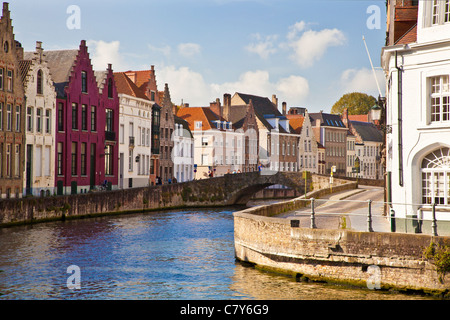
(12,111)
(40,127)
(87,122)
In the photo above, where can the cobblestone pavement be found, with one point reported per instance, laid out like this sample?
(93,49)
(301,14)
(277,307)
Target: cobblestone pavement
(345,210)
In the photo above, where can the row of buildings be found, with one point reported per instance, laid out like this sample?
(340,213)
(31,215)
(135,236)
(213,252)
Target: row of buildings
(66,128)
(248,133)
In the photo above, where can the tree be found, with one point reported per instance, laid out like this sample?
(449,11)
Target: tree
(355,102)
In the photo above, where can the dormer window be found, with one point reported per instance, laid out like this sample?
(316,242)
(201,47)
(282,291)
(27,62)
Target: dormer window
(198,124)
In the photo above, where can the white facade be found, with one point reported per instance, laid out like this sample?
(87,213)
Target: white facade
(218,152)
(351,155)
(183,153)
(39,175)
(418,93)
(308,157)
(369,157)
(135,118)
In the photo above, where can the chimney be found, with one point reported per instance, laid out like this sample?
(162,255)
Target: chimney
(275,100)
(283,108)
(225,111)
(345,117)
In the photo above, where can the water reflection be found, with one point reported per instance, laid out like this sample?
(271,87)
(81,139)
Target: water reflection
(185,254)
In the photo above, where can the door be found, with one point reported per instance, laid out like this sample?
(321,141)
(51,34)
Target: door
(28,168)
(92,172)
(121,159)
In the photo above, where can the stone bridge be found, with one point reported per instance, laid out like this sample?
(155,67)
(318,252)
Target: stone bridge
(231,189)
(238,188)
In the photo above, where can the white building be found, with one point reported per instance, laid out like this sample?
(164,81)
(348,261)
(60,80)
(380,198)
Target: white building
(39,175)
(417,69)
(183,151)
(218,148)
(135,118)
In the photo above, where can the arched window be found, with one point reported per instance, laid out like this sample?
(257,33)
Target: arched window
(436,177)
(39,82)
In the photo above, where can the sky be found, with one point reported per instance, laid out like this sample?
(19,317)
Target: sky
(307,52)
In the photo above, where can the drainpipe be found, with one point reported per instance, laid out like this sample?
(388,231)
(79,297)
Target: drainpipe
(400,131)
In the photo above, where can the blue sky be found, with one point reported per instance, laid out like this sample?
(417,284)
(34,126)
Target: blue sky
(307,52)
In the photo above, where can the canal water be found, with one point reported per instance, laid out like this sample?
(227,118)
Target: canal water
(184,254)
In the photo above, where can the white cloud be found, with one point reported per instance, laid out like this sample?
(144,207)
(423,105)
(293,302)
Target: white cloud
(263,47)
(362,80)
(189,49)
(102,53)
(165,50)
(309,45)
(190,87)
(293,89)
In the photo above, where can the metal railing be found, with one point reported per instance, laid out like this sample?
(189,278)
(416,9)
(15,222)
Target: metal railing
(387,224)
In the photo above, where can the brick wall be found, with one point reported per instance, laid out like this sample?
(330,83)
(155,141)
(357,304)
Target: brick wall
(339,256)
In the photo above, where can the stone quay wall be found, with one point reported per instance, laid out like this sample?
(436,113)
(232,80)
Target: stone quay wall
(366,259)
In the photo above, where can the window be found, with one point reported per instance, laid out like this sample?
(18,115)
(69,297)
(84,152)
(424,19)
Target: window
(29,119)
(121,134)
(447,11)
(83,159)
(39,82)
(8,117)
(1,116)
(74,159)
(84,117)
(198,124)
(110,88)
(9,84)
(93,118)
(74,116)
(109,120)
(1,78)
(83,82)
(60,159)
(130,160)
(17,118)
(48,123)
(60,117)
(39,120)
(8,160)
(17,161)
(440,97)
(436,177)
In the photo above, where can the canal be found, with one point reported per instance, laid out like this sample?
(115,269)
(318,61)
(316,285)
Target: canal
(183,254)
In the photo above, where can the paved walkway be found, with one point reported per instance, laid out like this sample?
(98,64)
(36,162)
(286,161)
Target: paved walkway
(346,210)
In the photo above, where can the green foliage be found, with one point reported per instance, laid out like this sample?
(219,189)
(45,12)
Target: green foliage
(439,255)
(355,102)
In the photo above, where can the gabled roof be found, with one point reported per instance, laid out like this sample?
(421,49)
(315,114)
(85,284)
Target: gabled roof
(327,119)
(367,131)
(409,37)
(203,114)
(60,63)
(126,86)
(296,122)
(358,117)
(264,108)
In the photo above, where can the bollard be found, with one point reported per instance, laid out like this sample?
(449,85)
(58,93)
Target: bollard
(433,222)
(313,218)
(369,217)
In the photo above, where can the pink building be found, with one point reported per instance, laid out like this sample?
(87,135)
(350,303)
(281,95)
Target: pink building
(87,120)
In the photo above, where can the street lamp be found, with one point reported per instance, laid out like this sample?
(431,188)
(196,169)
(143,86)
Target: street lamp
(375,113)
